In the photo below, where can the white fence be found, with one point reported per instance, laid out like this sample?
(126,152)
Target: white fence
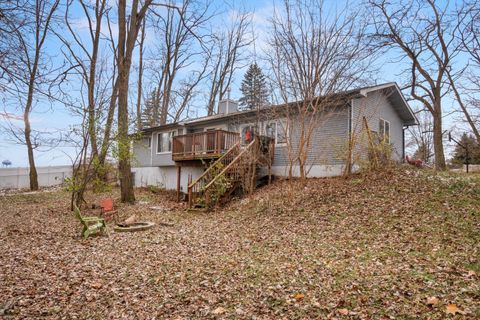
(17,178)
(472,168)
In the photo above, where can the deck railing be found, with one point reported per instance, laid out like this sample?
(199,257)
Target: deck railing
(203,145)
(196,188)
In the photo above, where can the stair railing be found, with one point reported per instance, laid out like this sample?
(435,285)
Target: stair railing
(233,172)
(195,189)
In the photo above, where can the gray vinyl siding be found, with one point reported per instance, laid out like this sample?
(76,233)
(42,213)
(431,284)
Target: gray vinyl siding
(328,138)
(374,107)
(141,152)
(160,159)
(327,143)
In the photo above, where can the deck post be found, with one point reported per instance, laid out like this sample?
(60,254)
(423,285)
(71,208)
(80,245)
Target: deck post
(190,194)
(179,175)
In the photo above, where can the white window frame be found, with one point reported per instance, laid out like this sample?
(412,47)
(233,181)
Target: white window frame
(381,129)
(277,122)
(172,133)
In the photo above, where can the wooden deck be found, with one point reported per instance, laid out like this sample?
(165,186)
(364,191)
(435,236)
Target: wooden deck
(203,145)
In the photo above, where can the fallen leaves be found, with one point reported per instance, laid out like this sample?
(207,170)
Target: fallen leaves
(453,309)
(432,301)
(343,311)
(299,296)
(96,285)
(219,311)
(384,247)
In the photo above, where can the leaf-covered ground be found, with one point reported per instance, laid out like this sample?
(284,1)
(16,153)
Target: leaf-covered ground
(398,245)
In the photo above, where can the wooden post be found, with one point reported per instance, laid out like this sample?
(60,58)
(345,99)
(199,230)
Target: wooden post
(190,200)
(371,143)
(179,175)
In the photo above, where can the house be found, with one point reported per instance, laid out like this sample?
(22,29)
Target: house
(176,154)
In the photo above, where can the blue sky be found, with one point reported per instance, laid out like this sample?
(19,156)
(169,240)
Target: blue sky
(49,117)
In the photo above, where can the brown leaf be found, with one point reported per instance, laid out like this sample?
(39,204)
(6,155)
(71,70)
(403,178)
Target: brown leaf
(432,301)
(344,311)
(452,309)
(219,310)
(299,296)
(96,285)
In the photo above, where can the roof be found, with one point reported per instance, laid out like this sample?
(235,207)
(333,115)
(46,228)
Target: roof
(393,92)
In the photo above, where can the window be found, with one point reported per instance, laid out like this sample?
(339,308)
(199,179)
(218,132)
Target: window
(247,133)
(164,141)
(271,130)
(277,130)
(384,130)
(282,133)
(149,142)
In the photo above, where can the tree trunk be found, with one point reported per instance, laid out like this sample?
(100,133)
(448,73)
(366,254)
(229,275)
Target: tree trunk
(438,141)
(26,119)
(31,160)
(124,61)
(108,125)
(140,75)
(124,167)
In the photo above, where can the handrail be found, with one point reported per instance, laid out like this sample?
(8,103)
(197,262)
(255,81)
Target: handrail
(204,132)
(211,167)
(199,145)
(237,158)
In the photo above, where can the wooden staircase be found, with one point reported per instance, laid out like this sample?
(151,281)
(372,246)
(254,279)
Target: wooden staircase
(236,169)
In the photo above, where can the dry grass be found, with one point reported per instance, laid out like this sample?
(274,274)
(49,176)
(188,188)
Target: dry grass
(370,247)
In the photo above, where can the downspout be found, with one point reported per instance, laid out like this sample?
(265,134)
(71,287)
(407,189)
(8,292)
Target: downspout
(403,143)
(350,115)
(350,126)
(151,150)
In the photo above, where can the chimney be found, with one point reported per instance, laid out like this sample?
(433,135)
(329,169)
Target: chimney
(227,106)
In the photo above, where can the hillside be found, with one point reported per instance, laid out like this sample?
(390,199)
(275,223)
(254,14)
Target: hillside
(403,244)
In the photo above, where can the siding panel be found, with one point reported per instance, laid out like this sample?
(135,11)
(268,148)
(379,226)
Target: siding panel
(374,107)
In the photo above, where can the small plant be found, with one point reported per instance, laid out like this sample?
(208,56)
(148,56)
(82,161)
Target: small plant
(219,187)
(154,189)
(100,183)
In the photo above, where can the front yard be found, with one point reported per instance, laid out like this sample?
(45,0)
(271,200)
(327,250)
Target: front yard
(398,245)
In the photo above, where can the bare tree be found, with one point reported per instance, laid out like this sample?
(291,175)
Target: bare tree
(422,31)
(226,53)
(314,54)
(128,28)
(421,138)
(32,74)
(86,62)
(141,44)
(465,82)
(180,46)
(12,18)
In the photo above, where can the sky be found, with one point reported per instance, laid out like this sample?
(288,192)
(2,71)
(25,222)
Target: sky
(49,117)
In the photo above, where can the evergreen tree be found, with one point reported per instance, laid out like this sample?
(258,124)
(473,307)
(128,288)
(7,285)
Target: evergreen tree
(460,155)
(150,111)
(254,89)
